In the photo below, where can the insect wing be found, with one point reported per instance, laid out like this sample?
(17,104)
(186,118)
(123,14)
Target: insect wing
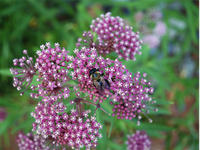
(105,86)
(98,87)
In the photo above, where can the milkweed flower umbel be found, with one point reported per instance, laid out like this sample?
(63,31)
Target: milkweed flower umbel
(112,35)
(160,28)
(24,76)
(138,141)
(114,72)
(112,31)
(135,100)
(50,69)
(59,128)
(51,65)
(46,117)
(31,142)
(152,40)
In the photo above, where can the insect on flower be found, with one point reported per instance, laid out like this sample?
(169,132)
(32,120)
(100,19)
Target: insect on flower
(102,85)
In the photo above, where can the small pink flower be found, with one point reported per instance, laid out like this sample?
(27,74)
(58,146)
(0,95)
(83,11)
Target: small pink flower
(160,28)
(152,40)
(51,85)
(154,14)
(138,16)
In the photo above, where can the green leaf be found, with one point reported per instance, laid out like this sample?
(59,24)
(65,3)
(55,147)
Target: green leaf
(6,138)
(156,134)
(190,19)
(10,10)
(6,123)
(115,146)
(145,53)
(154,127)
(168,139)
(41,9)
(161,111)
(111,126)
(6,72)
(103,141)
(69,106)
(27,123)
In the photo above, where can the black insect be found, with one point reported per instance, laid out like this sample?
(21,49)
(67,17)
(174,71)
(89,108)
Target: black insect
(102,85)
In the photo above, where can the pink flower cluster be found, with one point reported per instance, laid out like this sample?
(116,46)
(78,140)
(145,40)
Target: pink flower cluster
(113,35)
(135,100)
(51,65)
(153,14)
(152,40)
(144,20)
(138,141)
(31,142)
(60,128)
(160,28)
(97,77)
(24,76)
(117,75)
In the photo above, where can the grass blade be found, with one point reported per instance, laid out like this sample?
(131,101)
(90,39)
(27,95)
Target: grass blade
(111,126)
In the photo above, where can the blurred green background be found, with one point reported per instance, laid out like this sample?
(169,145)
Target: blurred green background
(173,68)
